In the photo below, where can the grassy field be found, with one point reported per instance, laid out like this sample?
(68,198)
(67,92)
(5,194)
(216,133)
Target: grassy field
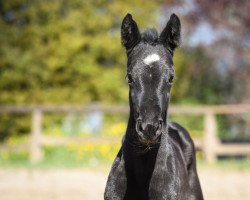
(63,157)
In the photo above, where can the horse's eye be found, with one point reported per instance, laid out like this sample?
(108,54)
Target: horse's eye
(171,79)
(129,78)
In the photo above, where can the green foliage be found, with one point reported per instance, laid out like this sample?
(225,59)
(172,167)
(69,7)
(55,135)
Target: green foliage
(14,124)
(70,52)
(197,81)
(65,51)
(60,52)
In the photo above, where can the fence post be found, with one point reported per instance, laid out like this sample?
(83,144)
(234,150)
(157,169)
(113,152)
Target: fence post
(36,153)
(211,141)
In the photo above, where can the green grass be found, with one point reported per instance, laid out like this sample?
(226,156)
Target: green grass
(61,157)
(57,157)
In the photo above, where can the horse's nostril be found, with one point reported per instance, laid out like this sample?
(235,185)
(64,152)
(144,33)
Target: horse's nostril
(138,126)
(148,130)
(160,125)
(161,122)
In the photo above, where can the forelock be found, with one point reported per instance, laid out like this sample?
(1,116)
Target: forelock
(150,36)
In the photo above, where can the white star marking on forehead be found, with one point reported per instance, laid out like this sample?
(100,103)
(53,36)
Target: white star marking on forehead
(151,58)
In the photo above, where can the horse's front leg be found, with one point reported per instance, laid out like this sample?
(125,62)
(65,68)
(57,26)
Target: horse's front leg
(194,183)
(117,182)
(164,181)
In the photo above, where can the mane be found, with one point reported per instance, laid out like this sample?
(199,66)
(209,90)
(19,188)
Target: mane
(150,36)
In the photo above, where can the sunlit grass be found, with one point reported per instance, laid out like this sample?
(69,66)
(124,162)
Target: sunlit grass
(96,157)
(70,156)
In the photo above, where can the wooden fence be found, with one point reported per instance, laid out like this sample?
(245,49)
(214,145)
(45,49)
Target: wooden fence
(210,143)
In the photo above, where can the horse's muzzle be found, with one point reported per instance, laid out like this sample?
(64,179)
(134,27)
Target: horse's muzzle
(149,132)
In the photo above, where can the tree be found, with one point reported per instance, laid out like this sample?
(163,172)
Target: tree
(230,22)
(65,51)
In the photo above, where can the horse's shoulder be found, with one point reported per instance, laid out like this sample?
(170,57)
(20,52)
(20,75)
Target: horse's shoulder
(182,137)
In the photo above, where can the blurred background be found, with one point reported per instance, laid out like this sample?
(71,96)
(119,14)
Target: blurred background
(64,98)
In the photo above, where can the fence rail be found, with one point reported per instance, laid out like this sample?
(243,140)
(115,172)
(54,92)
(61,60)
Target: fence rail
(210,143)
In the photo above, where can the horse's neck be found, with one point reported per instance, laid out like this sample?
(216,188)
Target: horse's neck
(130,133)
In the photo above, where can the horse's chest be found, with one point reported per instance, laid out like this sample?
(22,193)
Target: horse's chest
(143,170)
(139,170)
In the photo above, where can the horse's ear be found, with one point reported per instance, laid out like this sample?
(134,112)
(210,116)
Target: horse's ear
(130,33)
(171,34)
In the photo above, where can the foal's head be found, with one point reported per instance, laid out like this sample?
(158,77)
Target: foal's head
(150,74)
